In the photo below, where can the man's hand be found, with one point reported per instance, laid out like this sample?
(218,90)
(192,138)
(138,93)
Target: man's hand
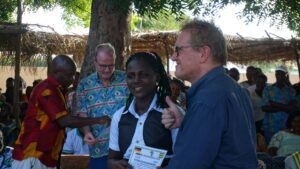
(90,139)
(171,117)
(105,120)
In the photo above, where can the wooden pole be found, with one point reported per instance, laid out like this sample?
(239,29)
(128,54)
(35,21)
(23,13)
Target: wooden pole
(298,63)
(16,101)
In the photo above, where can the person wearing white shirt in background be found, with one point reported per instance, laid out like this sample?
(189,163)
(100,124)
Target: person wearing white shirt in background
(75,144)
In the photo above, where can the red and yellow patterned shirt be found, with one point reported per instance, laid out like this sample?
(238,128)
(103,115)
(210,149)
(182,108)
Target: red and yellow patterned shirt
(41,136)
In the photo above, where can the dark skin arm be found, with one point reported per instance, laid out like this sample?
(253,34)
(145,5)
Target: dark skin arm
(273,151)
(76,122)
(275,107)
(116,161)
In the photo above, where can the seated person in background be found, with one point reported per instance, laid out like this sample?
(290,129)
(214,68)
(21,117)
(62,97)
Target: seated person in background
(139,122)
(249,74)
(5,154)
(234,74)
(9,93)
(8,124)
(287,142)
(261,145)
(296,86)
(36,82)
(75,144)
(292,161)
(176,90)
(256,99)
(2,97)
(24,104)
(256,73)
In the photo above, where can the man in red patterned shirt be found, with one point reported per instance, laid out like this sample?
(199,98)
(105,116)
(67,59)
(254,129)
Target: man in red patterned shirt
(43,130)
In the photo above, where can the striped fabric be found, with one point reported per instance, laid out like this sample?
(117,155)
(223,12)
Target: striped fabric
(296,157)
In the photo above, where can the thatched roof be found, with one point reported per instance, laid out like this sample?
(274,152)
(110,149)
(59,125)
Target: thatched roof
(240,50)
(42,44)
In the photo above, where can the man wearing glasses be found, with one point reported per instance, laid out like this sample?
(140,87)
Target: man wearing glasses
(218,129)
(101,94)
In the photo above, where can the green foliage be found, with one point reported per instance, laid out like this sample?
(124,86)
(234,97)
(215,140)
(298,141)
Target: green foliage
(7,7)
(279,11)
(33,5)
(134,22)
(147,23)
(77,12)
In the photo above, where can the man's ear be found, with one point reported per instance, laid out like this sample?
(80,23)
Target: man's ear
(205,53)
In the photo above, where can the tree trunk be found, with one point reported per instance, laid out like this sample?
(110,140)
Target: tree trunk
(107,25)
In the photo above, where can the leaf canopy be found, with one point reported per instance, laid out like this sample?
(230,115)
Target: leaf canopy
(78,12)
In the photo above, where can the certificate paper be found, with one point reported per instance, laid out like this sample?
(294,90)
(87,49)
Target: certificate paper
(144,157)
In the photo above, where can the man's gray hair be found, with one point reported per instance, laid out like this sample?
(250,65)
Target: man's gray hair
(206,33)
(105,47)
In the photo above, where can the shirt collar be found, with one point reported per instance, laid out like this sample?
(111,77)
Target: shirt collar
(56,84)
(152,106)
(210,75)
(113,76)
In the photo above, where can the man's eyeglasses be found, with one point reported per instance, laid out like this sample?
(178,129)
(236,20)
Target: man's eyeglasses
(101,66)
(179,48)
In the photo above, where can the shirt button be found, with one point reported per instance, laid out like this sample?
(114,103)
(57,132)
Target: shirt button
(141,123)
(137,141)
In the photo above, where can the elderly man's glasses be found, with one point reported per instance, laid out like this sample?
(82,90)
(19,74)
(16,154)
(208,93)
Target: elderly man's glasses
(101,66)
(179,48)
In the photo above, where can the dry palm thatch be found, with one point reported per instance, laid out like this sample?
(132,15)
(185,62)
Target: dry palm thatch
(240,50)
(37,47)
(161,43)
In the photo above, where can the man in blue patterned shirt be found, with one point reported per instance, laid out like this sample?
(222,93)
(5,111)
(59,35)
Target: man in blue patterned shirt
(101,94)
(278,101)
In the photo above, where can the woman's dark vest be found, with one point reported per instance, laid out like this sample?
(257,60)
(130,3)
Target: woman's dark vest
(154,133)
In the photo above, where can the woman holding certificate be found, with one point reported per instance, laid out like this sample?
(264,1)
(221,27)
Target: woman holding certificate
(137,136)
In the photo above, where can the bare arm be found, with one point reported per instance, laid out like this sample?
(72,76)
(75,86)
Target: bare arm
(269,108)
(276,107)
(88,135)
(116,161)
(272,151)
(76,122)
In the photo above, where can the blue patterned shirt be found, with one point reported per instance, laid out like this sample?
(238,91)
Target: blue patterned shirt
(96,100)
(274,122)
(6,158)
